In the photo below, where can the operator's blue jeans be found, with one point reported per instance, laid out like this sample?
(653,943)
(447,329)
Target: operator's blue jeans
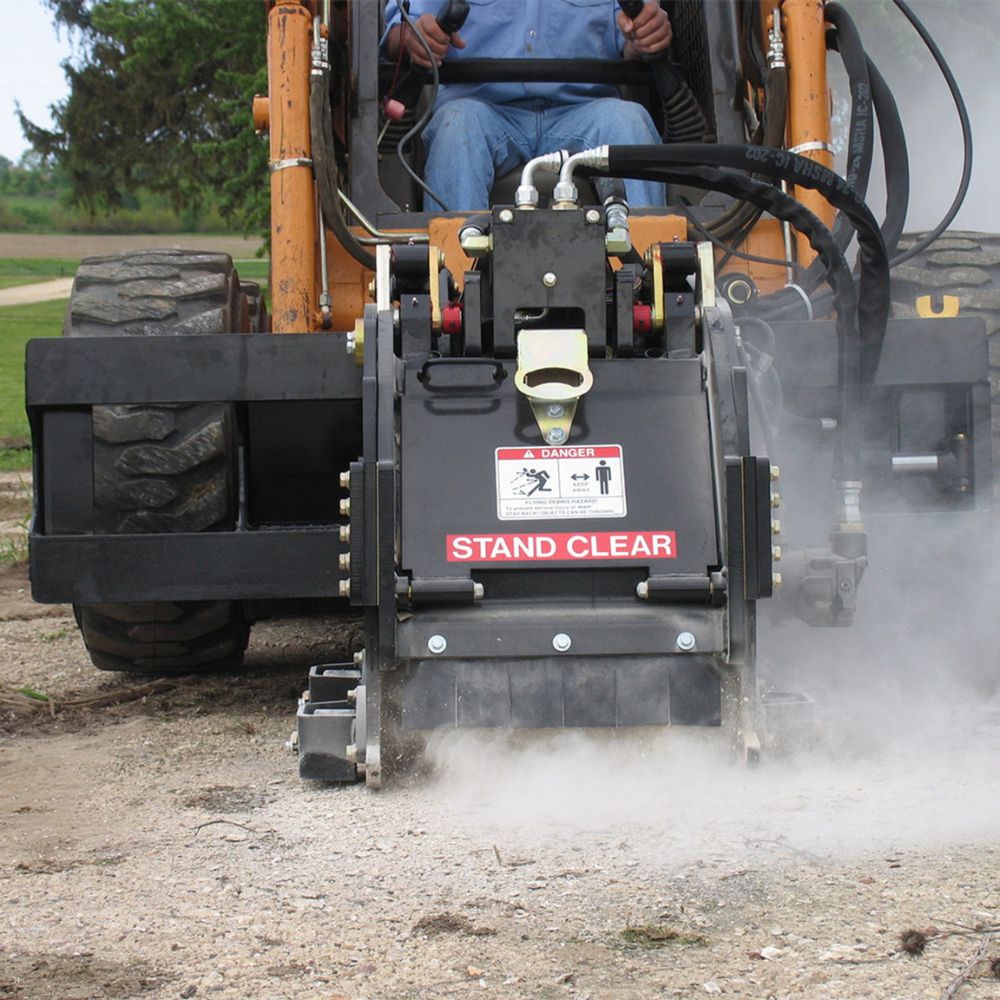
(469,142)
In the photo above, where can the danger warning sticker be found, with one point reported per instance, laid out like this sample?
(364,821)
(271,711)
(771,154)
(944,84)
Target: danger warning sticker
(559,483)
(585,546)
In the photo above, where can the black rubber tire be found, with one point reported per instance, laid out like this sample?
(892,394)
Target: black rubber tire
(966,265)
(162,468)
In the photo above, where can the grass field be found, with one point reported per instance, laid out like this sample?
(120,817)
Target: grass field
(18,324)
(27,270)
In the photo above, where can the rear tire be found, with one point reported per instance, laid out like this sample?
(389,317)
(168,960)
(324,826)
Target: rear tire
(163,468)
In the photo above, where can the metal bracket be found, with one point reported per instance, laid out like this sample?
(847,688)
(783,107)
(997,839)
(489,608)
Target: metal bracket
(553,372)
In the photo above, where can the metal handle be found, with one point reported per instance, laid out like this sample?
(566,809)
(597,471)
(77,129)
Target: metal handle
(424,375)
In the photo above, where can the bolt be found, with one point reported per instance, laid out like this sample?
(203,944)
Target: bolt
(352,696)
(359,657)
(679,300)
(345,480)
(345,507)
(555,409)
(344,588)
(549,279)
(845,585)
(437,643)
(776,553)
(478,591)
(345,533)
(351,753)
(292,743)
(642,590)
(776,581)
(561,642)
(506,215)
(775,499)
(352,344)
(775,527)
(344,561)
(593,216)
(775,473)
(556,436)
(685,642)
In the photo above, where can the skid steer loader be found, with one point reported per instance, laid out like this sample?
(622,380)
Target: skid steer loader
(535,445)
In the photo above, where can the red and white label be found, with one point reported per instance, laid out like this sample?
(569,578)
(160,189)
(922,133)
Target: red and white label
(584,546)
(555,483)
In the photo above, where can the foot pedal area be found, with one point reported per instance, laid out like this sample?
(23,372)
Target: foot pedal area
(326,724)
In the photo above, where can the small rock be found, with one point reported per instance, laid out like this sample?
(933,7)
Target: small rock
(711,987)
(473,972)
(188,992)
(537,884)
(770,952)
(566,977)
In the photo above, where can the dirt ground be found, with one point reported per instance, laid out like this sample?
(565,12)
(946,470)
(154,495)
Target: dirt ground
(85,245)
(156,842)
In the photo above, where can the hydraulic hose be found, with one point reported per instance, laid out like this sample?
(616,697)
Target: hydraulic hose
(966,125)
(873,311)
(847,459)
(325,166)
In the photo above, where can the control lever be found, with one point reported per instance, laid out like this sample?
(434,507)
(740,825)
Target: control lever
(684,119)
(451,15)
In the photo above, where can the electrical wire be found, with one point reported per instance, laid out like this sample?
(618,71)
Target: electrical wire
(425,117)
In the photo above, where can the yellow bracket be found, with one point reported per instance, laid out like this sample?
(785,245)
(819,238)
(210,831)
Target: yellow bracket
(553,372)
(949,307)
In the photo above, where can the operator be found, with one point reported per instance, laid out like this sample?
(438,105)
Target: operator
(482,131)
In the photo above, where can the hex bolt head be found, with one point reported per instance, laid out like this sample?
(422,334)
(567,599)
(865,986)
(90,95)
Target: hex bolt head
(642,590)
(345,533)
(776,553)
(593,216)
(561,642)
(556,435)
(345,506)
(359,657)
(550,279)
(478,591)
(686,642)
(775,526)
(345,480)
(344,561)
(555,410)
(776,581)
(775,473)
(344,588)
(351,753)
(437,644)
(775,500)
(292,743)
(506,215)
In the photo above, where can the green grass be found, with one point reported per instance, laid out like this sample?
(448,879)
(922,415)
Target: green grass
(18,324)
(27,270)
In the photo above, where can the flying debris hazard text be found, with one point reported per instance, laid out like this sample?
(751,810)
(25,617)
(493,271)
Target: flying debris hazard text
(560,483)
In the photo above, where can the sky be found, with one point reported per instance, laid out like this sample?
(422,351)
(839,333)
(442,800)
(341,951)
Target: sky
(31,53)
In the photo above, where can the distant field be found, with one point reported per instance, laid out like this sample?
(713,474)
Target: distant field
(27,270)
(75,246)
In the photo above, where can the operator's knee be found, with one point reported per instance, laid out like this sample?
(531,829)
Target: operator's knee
(627,123)
(460,120)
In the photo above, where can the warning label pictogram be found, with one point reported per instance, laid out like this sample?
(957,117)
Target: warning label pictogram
(560,483)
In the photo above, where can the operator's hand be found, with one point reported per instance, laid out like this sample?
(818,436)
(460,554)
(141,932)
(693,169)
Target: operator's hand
(649,33)
(436,39)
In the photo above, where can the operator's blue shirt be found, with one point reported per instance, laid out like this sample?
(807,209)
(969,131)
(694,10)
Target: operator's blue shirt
(529,29)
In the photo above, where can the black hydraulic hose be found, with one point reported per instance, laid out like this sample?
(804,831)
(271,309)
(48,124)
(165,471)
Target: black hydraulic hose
(325,168)
(896,160)
(963,118)
(846,40)
(873,312)
(847,463)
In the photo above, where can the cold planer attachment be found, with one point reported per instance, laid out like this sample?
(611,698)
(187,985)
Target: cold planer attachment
(557,521)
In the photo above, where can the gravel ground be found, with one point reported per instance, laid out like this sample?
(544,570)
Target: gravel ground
(162,846)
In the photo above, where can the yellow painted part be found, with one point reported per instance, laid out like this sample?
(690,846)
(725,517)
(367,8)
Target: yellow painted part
(293,197)
(949,307)
(808,99)
(765,240)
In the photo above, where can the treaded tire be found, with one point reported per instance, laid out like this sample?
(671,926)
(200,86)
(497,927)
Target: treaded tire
(967,265)
(163,468)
